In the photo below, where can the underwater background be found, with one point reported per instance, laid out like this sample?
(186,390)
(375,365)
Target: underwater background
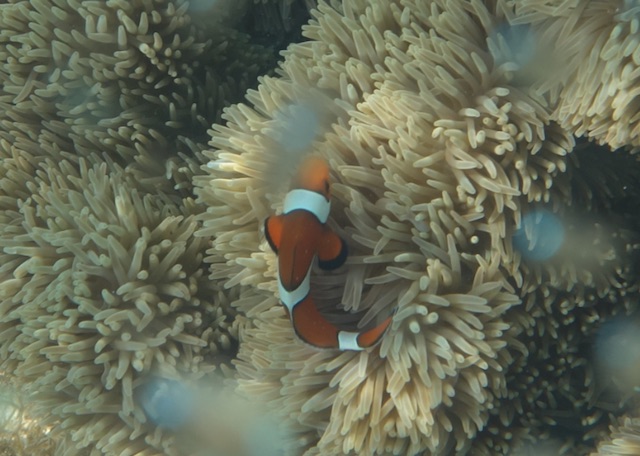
(484,170)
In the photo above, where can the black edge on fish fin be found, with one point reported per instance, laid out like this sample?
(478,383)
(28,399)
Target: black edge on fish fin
(334,263)
(267,235)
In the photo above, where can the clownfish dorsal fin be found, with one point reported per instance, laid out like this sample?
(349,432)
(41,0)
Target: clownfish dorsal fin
(332,250)
(273,227)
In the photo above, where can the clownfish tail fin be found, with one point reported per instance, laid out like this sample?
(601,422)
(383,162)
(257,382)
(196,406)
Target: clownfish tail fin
(352,340)
(313,328)
(372,336)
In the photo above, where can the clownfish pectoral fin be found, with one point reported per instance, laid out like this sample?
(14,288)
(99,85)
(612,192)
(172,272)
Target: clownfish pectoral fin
(273,231)
(312,327)
(332,250)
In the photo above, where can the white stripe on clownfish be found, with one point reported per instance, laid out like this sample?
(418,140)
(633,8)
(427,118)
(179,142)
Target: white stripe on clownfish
(309,201)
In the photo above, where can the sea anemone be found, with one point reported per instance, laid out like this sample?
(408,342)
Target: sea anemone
(440,152)
(624,438)
(107,289)
(458,184)
(135,81)
(598,45)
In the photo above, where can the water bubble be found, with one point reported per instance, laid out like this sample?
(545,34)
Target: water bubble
(617,353)
(527,57)
(551,447)
(297,126)
(211,12)
(202,5)
(628,11)
(167,403)
(540,236)
(225,424)
(264,437)
(292,131)
(512,43)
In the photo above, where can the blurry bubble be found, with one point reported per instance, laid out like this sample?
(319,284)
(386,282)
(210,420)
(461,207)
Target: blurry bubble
(628,11)
(550,447)
(292,132)
(540,236)
(225,12)
(526,57)
(297,127)
(167,403)
(264,437)
(286,138)
(224,424)
(512,43)
(617,352)
(202,5)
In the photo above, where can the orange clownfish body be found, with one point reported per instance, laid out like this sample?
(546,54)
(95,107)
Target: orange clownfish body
(298,236)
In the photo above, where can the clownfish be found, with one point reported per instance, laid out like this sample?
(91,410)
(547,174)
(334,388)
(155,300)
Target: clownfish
(298,236)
